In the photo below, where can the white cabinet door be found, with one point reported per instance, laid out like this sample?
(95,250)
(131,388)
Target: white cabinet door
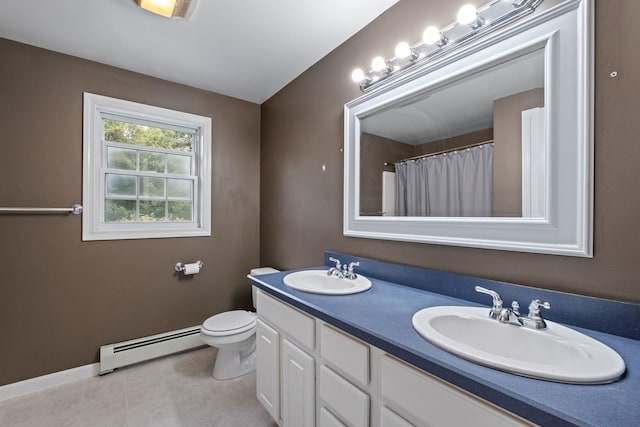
(268,368)
(298,387)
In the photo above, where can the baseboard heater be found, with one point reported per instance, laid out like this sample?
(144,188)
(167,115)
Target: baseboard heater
(113,356)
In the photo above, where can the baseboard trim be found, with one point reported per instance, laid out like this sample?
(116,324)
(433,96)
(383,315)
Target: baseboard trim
(32,385)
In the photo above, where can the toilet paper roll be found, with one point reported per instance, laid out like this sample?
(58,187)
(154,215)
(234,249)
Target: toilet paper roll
(192,268)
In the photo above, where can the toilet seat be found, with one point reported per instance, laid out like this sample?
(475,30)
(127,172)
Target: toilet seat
(229,323)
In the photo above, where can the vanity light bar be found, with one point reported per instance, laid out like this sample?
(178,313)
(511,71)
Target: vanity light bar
(471,24)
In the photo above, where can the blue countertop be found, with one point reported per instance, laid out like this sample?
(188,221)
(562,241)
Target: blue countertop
(382,316)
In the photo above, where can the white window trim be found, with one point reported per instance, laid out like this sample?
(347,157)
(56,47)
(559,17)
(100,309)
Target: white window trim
(93,225)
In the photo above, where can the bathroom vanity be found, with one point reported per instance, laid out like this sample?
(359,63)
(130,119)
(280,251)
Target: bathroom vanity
(355,360)
(357,384)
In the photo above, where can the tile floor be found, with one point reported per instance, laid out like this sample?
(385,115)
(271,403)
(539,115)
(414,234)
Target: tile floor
(174,391)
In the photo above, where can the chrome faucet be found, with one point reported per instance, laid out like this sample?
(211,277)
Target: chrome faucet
(349,274)
(533,319)
(512,315)
(337,270)
(497,301)
(343,271)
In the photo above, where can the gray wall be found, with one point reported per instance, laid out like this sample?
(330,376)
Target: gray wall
(302,129)
(61,298)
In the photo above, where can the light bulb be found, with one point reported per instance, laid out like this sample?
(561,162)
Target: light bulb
(403,50)
(378,63)
(431,35)
(358,75)
(161,7)
(467,14)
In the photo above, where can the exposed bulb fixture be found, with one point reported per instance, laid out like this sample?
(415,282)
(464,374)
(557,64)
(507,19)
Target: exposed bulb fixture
(379,64)
(358,75)
(468,15)
(432,35)
(168,8)
(436,42)
(404,51)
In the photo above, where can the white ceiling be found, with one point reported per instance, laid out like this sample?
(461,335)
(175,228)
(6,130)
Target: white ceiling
(247,49)
(463,106)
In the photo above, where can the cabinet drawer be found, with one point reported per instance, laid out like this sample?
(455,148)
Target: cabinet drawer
(427,400)
(388,418)
(344,399)
(287,319)
(349,356)
(327,419)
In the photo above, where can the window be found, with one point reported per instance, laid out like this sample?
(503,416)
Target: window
(147,171)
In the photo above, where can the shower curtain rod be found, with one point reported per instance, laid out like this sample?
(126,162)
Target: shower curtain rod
(75,209)
(450,150)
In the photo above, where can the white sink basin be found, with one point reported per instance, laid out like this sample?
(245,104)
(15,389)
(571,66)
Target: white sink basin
(317,282)
(557,353)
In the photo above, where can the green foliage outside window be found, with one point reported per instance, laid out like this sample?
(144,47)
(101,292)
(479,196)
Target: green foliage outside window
(129,133)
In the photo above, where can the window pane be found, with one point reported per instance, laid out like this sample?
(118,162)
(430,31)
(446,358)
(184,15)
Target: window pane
(119,210)
(180,211)
(151,210)
(151,187)
(121,185)
(147,136)
(152,162)
(121,158)
(179,188)
(179,164)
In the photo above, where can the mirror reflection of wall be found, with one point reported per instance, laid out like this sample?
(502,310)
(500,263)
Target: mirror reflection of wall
(446,129)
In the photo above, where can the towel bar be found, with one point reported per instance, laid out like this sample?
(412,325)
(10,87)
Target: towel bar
(75,209)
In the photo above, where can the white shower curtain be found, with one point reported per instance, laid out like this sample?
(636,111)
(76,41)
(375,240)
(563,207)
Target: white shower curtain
(453,184)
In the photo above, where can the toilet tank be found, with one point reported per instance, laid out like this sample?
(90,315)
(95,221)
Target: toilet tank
(258,272)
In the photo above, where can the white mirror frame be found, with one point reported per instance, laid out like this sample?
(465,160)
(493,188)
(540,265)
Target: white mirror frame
(565,32)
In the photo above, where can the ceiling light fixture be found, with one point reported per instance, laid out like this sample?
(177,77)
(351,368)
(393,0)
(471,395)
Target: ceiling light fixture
(175,9)
(471,24)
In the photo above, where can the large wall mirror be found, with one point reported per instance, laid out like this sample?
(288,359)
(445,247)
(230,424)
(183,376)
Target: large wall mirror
(489,146)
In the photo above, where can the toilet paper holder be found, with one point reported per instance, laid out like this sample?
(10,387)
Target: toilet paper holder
(181,267)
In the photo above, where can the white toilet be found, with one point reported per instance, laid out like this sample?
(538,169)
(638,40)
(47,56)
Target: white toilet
(234,333)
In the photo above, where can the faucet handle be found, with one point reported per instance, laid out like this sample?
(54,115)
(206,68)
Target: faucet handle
(534,309)
(497,301)
(337,261)
(348,271)
(515,308)
(533,319)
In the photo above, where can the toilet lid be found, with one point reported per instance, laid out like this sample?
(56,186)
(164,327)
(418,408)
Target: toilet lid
(235,321)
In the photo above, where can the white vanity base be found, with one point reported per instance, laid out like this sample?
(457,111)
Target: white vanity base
(310,373)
